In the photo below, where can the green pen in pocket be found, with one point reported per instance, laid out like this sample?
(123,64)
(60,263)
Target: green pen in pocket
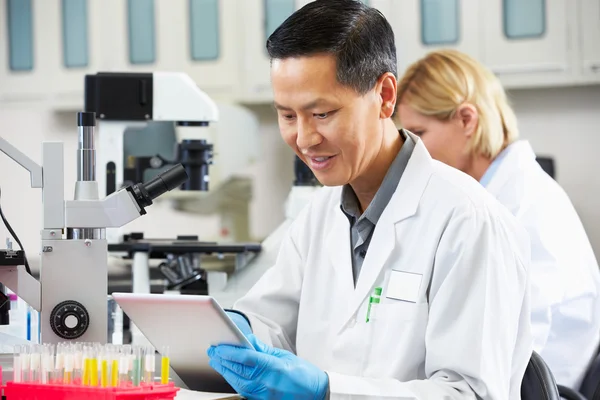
(375,298)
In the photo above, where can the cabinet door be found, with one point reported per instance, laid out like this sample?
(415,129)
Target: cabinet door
(202,40)
(198,37)
(27,51)
(422,26)
(76,29)
(130,42)
(528,42)
(589,17)
(260,19)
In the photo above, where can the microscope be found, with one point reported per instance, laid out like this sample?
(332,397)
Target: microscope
(71,294)
(126,100)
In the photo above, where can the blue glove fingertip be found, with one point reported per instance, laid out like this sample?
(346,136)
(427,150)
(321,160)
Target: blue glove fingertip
(211,351)
(257,344)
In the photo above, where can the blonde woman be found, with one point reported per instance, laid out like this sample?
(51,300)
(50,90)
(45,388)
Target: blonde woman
(460,111)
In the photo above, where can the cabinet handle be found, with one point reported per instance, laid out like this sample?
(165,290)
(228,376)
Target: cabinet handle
(528,69)
(595,67)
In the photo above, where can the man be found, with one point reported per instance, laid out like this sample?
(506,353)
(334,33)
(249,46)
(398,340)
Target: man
(402,278)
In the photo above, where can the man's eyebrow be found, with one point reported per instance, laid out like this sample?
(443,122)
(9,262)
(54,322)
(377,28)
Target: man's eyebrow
(280,107)
(307,106)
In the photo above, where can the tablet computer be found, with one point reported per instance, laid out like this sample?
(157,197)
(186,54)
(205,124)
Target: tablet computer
(189,325)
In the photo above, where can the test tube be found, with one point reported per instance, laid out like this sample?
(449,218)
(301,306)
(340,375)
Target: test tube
(47,363)
(104,367)
(85,363)
(149,365)
(59,368)
(35,364)
(17,377)
(94,367)
(25,358)
(78,363)
(114,369)
(124,366)
(68,365)
(164,366)
(138,354)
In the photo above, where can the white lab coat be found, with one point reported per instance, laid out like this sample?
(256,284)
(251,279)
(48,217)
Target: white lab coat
(468,332)
(565,279)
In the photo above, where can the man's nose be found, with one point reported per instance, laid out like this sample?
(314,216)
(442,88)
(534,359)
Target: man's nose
(307,136)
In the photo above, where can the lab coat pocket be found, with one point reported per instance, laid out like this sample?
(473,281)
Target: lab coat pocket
(391,311)
(397,337)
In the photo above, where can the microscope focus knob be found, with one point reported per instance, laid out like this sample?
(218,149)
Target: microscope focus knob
(69,320)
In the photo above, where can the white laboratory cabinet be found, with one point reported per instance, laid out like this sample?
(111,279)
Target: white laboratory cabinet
(530,42)
(589,21)
(260,19)
(26,51)
(203,42)
(76,29)
(198,37)
(422,26)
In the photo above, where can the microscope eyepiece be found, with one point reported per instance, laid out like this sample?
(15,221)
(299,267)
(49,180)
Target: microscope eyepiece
(168,180)
(86,118)
(171,179)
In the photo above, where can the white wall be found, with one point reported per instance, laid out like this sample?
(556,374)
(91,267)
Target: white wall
(563,123)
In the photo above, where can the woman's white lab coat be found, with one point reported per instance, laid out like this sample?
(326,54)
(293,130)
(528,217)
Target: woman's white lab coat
(565,280)
(453,321)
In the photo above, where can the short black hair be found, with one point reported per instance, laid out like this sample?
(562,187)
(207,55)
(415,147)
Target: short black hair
(359,37)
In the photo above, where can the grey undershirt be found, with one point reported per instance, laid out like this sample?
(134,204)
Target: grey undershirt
(362,226)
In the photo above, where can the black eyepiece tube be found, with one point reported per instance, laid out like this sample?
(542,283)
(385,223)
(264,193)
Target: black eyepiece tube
(168,180)
(144,193)
(86,118)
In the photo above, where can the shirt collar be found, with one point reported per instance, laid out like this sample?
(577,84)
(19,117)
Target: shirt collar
(349,201)
(491,171)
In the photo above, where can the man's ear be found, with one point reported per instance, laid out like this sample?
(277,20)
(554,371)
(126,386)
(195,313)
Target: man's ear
(387,86)
(468,118)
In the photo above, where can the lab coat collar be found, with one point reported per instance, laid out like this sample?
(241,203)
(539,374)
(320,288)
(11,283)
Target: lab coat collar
(515,158)
(403,205)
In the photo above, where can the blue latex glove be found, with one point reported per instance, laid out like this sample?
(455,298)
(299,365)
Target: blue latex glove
(268,373)
(240,322)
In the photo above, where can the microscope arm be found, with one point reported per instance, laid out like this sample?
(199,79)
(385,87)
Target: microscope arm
(22,284)
(34,169)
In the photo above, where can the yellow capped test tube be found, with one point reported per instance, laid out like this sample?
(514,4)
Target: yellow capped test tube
(94,370)
(164,366)
(104,369)
(85,380)
(114,372)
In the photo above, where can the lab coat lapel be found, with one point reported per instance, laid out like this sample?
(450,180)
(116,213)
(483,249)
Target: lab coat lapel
(338,249)
(402,205)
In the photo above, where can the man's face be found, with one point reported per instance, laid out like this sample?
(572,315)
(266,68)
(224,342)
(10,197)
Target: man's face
(333,129)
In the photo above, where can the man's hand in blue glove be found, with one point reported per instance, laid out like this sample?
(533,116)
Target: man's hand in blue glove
(240,322)
(268,373)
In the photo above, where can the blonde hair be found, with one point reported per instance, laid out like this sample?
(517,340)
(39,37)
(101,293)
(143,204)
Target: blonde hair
(440,82)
